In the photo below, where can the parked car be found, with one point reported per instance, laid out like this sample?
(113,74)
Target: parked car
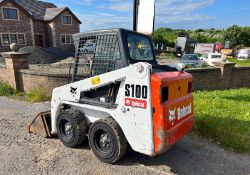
(191,60)
(210,58)
(244,54)
(88,47)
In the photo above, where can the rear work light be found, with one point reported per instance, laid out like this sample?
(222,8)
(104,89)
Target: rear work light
(189,87)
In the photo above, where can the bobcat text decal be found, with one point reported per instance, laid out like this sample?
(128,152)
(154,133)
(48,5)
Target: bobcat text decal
(136,103)
(181,113)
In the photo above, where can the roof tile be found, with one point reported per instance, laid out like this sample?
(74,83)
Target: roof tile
(41,10)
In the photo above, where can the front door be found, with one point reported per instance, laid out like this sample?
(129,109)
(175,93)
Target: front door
(39,40)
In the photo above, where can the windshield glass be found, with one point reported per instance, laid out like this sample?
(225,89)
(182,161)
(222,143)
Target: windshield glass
(216,56)
(139,47)
(190,57)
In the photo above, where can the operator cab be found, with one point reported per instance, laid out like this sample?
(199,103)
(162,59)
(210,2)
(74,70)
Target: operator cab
(102,51)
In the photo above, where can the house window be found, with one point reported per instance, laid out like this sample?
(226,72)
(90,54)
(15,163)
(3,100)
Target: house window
(10,13)
(66,39)
(13,38)
(21,39)
(66,19)
(7,39)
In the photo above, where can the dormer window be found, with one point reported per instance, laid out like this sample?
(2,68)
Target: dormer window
(66,19)
(10,13)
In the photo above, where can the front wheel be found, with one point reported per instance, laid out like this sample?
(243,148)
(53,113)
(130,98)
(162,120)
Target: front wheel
(107,140)
(71,128)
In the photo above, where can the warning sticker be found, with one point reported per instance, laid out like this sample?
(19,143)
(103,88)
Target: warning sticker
(136,103)
(95,80)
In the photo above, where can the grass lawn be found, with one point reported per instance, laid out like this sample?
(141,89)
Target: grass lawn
(224,117)
(240,62)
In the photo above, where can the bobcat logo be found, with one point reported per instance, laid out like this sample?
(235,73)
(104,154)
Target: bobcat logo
(73,90)
(172,116)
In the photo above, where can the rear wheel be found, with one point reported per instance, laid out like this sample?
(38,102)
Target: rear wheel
(107,140)
(71,128)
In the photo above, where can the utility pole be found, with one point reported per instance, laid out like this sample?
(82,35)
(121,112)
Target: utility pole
(135,16)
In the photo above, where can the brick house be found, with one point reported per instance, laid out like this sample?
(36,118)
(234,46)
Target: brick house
(36,23)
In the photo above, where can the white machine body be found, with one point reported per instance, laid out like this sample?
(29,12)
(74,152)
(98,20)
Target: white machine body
(134,115)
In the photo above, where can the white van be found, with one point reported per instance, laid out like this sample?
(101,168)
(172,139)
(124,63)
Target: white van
(244,54)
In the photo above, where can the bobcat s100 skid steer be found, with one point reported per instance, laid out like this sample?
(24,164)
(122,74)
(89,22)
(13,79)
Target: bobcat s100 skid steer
(119,96)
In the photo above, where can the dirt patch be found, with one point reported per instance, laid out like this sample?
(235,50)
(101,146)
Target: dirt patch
(45,55)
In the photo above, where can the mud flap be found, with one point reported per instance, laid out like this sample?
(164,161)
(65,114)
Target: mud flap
(41,125)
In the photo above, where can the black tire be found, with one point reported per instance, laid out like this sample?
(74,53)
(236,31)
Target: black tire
(114,147)
(71,128)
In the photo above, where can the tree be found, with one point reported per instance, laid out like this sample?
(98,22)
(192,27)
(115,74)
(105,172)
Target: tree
(238,36)
(199,37)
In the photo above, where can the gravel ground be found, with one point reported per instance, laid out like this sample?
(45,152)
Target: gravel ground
(23,153)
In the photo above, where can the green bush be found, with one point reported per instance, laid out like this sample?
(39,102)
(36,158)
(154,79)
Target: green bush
(37,95)
(203,65)
(163,54)
(6,89)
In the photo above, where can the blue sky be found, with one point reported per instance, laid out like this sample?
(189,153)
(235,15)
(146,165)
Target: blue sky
(185,14)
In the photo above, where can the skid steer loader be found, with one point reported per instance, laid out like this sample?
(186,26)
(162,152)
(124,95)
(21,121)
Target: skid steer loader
(119,96)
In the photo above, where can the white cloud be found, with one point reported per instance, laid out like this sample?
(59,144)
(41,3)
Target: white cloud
(173,13)
(117,5)
(104,20)
(76,2)
(122,7)
(164,7)
(118,13)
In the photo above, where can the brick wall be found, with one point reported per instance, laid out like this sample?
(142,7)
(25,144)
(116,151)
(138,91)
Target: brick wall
(203,79)
(31,80)
(206,79)
(18,26)
(240,77)
(17,73)
(65,29)
(3,73)
(50,27)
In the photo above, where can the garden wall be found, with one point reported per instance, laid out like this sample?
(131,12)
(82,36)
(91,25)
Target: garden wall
(47,82)
(206,78)
(240,77)
(3,73)
(18,74)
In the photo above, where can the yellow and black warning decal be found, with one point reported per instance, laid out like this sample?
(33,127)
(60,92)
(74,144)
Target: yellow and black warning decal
(95,80)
